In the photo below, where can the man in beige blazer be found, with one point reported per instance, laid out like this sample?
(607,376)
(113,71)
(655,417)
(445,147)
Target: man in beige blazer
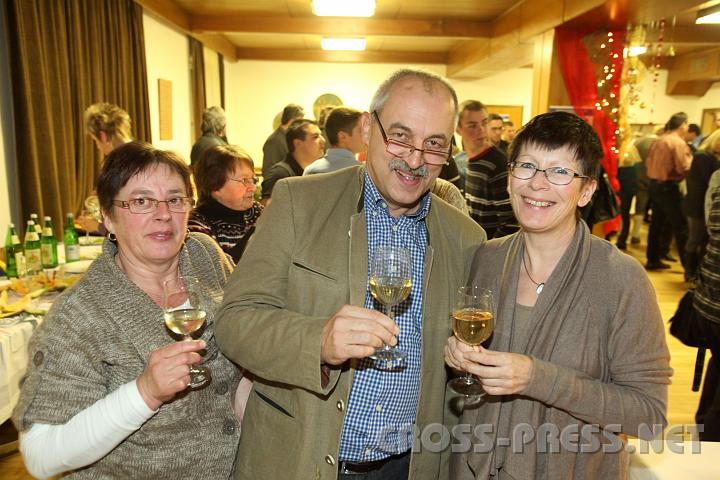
(297,312)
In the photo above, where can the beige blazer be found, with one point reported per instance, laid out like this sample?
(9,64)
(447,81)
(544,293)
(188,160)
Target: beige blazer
(307,259)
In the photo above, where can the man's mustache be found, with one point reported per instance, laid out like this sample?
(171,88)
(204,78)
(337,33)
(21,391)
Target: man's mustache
(398,164)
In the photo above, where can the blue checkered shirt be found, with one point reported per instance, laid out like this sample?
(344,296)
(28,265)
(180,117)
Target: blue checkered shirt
(383,404)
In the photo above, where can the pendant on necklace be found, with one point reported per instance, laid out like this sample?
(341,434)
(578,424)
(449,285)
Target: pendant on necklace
(540,288)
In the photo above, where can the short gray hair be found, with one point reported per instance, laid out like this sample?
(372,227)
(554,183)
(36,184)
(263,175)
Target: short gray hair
(213,120)
(429,80)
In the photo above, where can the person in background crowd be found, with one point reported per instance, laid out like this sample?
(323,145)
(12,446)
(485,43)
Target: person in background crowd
(706,301)
(570,348)
(694,136)
(305,145)
(487,173)
(668,163)
(299,314)
(322,120)
(109,126)
(495,127)
(343,129)
(107,390)
(508,131)
(214,127)
(628,177)
(275,148)
(226,210)
(705,162)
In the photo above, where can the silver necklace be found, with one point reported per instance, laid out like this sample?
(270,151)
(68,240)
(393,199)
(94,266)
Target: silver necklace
(539,286)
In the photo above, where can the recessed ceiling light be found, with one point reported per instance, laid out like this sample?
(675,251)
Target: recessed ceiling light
(343,8)
(329,43)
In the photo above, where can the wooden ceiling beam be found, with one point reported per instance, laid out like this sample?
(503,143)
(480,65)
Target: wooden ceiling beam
(299,55)
(341,26)
(181,19)
(219,43)
(169,11)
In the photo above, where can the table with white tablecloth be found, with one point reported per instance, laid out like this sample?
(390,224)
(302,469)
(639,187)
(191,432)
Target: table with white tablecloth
(15,333)
(674,460)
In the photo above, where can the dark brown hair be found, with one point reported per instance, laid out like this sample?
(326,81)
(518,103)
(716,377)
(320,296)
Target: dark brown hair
(214,166)
(131,159)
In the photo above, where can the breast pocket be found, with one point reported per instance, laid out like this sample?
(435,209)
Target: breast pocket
(314,290)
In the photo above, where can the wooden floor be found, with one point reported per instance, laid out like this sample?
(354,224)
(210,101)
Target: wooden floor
(669,285)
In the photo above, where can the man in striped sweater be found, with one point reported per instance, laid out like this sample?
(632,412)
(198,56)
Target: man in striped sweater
(487,172)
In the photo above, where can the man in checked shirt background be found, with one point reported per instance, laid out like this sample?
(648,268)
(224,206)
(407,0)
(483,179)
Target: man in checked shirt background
(298,312)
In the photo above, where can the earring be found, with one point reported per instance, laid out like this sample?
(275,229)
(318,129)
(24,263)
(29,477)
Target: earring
(112,237)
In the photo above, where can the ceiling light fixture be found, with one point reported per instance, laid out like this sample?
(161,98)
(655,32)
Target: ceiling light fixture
(330,43)
(343,8)
(708,15)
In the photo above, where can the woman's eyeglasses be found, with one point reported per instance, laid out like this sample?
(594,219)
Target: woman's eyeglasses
(554,175)
(149,205)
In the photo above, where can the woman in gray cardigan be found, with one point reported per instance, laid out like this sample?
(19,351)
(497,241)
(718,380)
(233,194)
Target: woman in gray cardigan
(106,391)
(576,357)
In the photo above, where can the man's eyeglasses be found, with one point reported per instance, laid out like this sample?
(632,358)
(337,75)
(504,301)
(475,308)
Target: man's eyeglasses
(149,205)
(245,181)
(554,175)
(404,150)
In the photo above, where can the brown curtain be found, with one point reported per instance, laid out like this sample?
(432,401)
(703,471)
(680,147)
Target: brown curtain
(66,55)
(221,65)
(197,83)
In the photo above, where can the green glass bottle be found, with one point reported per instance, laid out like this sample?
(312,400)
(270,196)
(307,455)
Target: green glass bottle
(70,239)
(48,245)
(38,226)
(33,255)
(11,269)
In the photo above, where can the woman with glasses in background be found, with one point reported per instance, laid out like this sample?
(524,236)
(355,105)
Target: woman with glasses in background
(227,210)
(578,354)
(106,392)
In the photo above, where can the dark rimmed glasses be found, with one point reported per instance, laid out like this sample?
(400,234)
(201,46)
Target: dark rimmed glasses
(149,205)
(555,175)
(405,150)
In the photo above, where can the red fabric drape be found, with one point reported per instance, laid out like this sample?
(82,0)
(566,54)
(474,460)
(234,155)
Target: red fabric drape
(581,83)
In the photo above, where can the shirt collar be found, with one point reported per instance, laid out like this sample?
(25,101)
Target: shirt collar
(373,200)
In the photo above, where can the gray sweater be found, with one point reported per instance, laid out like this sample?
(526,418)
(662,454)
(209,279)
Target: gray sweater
(98,336)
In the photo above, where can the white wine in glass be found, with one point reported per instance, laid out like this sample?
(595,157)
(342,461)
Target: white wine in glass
(473,323)
(390,284)
(184,316)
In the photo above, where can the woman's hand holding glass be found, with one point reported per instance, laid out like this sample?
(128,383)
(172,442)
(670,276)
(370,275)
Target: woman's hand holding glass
(168,371)
(500,373)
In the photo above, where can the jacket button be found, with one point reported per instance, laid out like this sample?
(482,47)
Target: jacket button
(221,388)
(38,358)
(229,428)
(340,405)
(329,459)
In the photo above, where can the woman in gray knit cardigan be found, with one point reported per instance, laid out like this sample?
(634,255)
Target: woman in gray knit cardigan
(576,357)
(106,391)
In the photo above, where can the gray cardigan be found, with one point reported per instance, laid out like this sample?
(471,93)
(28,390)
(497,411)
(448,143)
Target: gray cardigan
(98,336)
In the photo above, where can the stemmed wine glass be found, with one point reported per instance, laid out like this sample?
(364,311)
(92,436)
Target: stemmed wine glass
(390,284)
(473,322)
(183,315)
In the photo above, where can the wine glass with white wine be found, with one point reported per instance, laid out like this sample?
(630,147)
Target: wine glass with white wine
(184,316)
(390,284)
(473,322)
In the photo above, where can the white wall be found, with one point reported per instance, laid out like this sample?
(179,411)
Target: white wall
(659,106)
(166,54)
(257,90)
